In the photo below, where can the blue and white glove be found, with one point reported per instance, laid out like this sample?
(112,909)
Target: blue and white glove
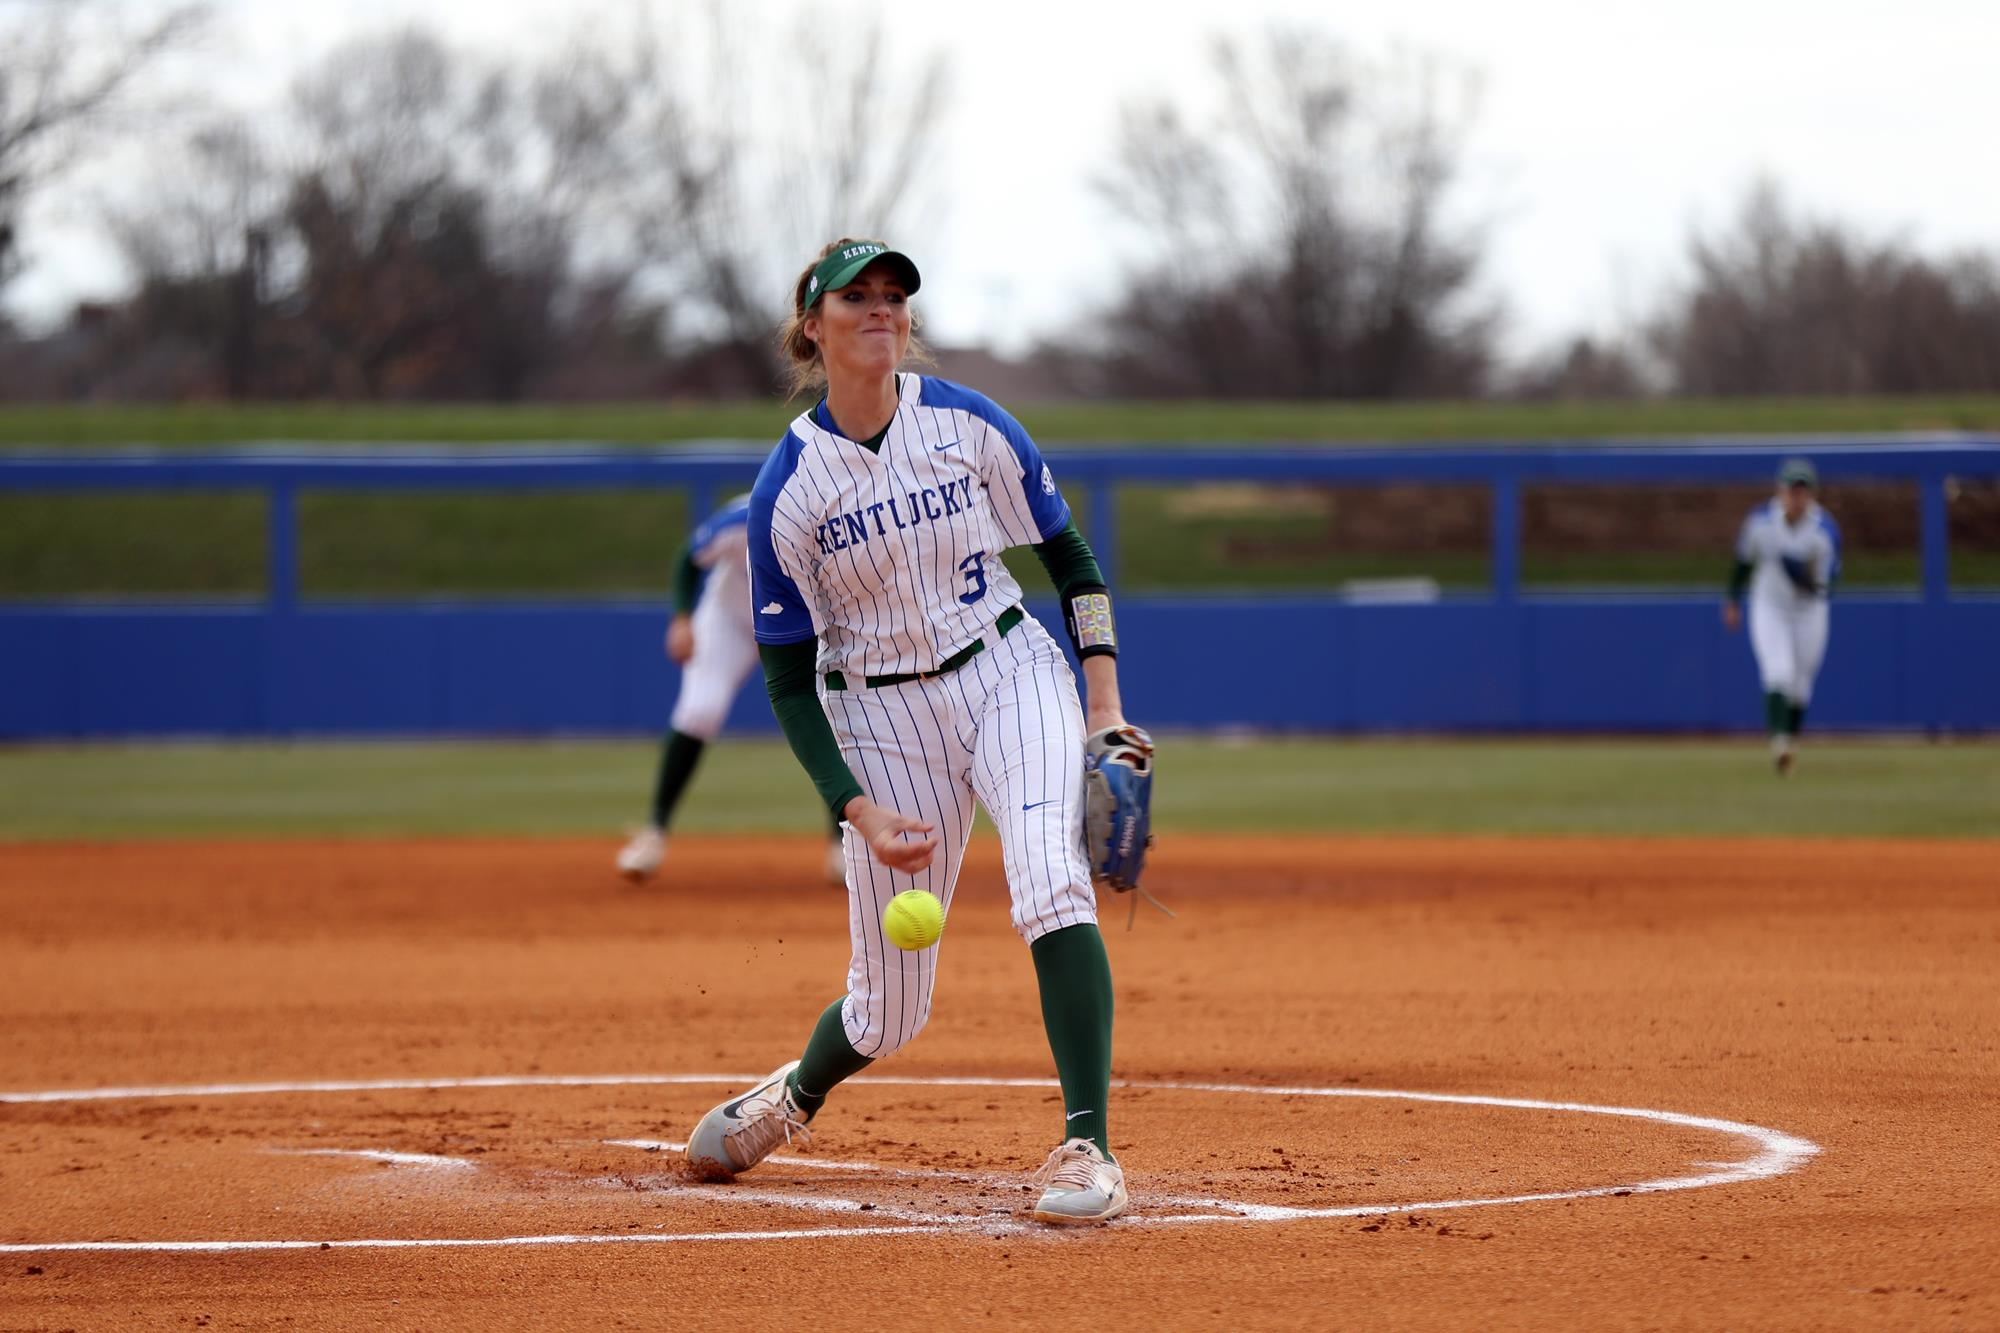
(1118,804)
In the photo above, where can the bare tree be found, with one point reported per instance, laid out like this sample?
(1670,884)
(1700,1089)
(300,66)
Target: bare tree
(737,180)
(1300,245)
(1776,303)
(390,235)
(67,70)
(419,220)
(1582,367)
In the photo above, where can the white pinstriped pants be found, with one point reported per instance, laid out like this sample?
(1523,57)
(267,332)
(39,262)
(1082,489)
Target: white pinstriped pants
(1007,728)
(725,651)
(1788,638)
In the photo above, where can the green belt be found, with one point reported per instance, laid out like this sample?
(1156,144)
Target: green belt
(1009,618)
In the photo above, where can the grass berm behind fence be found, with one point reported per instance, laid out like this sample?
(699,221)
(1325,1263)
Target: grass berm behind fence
(611,543)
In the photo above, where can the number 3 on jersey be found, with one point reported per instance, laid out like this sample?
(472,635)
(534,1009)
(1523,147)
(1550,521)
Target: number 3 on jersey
(974,569)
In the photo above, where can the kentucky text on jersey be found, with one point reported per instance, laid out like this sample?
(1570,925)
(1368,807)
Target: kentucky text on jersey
(925,506)
(890,557)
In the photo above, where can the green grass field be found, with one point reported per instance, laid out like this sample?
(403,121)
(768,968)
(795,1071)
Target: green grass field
(1844,788)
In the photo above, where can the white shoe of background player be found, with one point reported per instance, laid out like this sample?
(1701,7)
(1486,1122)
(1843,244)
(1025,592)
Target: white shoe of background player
(744,1130)
(1079,1186)
(640,858)
(1781,754)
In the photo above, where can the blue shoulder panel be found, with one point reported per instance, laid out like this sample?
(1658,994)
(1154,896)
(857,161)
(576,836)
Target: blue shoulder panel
(778,609)
(1832,530)
(1038,485)
(733,514)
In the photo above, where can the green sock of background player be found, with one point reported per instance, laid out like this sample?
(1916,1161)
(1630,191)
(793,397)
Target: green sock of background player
(677,764)
(1074,974)
(678,758)
(1795,717)
(1777,714)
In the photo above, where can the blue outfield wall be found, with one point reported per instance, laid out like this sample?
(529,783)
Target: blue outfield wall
(1506,661)
(1285,664)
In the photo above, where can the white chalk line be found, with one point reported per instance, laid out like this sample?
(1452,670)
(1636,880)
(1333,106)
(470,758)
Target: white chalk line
(1777,1154)
(783,1159)
(430,1161)
(736,1193)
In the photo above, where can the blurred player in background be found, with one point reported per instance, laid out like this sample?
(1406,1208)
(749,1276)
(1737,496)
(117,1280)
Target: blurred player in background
(711,638)
(1787,557)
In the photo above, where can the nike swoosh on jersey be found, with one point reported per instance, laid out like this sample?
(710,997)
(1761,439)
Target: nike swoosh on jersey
(940,448)
(773,610)
(1039,804)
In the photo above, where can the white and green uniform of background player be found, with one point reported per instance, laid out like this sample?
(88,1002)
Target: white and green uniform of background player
(1789,569)
(712,588)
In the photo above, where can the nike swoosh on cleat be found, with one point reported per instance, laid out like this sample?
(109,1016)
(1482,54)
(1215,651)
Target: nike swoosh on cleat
(1039,804)
(734,1109)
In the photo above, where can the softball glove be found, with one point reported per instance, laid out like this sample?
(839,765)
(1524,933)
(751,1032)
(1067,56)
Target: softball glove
(1118,804)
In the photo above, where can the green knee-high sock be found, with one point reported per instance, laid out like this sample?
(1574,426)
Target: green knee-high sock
(1777,712)
(829,1059)
(677,760)
(1075,977)
(1795,719)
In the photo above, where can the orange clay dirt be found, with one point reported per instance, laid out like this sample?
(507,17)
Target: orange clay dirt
(1838,994)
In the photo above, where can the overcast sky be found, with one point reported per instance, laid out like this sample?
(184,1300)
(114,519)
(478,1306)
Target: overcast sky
(1607,129)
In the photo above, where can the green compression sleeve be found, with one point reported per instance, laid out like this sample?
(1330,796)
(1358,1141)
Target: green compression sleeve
(1071,565)
(687,582)
(1739,579)
(1076,574)
(788,679)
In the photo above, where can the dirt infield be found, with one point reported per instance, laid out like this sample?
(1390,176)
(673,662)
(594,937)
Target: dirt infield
(1813,1032)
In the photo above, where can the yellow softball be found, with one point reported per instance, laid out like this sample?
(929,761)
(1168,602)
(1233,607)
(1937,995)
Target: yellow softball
(913,920)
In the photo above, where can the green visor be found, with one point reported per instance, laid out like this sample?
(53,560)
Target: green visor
(845,264)
(1798,472)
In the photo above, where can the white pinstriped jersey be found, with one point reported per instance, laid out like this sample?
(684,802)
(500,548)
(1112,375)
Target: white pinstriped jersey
(892,558)
(1811,546)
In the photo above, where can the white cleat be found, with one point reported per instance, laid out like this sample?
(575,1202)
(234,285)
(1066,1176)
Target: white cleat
(836,864)
(639,860)
(1781,754)
(744,1130)
(1079,1186)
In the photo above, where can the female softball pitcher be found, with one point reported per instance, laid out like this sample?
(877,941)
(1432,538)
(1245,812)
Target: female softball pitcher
(711,638)
(909,681)
(1788,556)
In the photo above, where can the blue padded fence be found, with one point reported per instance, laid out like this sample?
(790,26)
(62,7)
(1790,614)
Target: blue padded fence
(1506,660)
